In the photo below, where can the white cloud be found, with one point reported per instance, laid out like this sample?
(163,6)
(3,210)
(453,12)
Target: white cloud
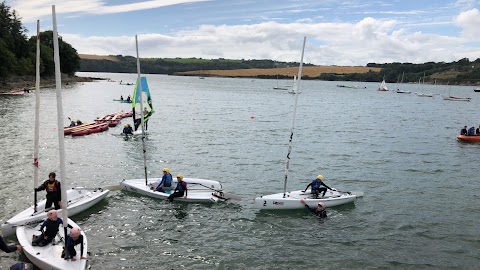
(469,21)
(31,10)
(368,40)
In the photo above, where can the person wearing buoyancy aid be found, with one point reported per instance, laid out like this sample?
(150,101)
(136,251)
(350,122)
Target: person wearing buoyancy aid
(165,183)
(54,194)
(320,211)
(180,190)
(51,225)
(74,239)
(316,187)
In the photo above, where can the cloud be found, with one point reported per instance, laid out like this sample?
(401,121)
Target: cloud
(31,10)
(469,21)
(368,40)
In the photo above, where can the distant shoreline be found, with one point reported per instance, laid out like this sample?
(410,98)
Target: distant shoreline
(20,83)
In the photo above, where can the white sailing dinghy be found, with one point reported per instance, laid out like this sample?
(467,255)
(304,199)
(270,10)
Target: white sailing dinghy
(199,190)
(48,257)
(383,85)
(294,87)
(292,200)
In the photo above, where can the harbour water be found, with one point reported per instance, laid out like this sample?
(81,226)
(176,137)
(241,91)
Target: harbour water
(420,209)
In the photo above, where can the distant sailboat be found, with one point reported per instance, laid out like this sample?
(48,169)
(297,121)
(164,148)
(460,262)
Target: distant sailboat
(383,85)
(401,82)
(278,87)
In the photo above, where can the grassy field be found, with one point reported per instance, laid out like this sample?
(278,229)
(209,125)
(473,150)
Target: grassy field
(98,57)
(310,71)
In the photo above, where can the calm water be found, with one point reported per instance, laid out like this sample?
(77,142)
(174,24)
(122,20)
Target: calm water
(420,209)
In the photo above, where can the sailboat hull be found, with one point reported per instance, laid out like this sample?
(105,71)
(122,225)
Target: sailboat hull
(79,199)
(49,257)
(292,200)
(199,190)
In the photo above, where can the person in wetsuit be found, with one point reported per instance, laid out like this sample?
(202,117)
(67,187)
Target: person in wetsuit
(464,131)
(165,183)
(180,189)
(51,225)
(127,130)
(54,194)
(319,211)
(74,239)
(316,187)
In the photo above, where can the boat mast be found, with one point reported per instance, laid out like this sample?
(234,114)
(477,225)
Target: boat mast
(61,143)
(140,92)
(37,120)
(296,90)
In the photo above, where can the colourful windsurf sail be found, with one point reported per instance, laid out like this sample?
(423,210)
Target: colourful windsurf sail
(147,103)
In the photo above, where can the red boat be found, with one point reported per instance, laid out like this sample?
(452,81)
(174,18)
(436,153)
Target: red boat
(464,138)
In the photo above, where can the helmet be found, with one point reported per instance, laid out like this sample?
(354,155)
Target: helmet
(126,126)
(321,205)
(167,170)
(180,176)
(75,232)
(320,177)
(52,214)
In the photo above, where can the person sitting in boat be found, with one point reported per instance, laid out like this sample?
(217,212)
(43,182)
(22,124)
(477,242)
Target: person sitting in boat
(79,122)
(51,225)
(129,98)
(54,194)
(477,131)
(471,131)
(121,97)
(73,239)
(72,123)
(127,130)
(319,211)
(316,187)
(9,248)
(165,183)
(180,189)
(464,131)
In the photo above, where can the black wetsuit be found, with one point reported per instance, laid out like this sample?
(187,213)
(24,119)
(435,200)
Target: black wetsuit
(71,252)
(54,193)
(179,191)
(51,230)
(321,213)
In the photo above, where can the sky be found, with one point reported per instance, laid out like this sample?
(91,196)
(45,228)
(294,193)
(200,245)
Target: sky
(339,32)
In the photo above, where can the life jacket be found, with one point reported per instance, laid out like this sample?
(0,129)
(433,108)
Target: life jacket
(181,186)
(51,187)
(316,184)
(167,180)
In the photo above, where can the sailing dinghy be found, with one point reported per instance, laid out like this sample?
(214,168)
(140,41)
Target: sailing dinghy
(293,200)
(80,198)
(49,256)
(383,85)
(199,190)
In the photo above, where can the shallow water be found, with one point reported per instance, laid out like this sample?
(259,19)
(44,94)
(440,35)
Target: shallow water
(420,209)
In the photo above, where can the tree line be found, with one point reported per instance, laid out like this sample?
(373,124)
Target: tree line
(18,52)
(170,66)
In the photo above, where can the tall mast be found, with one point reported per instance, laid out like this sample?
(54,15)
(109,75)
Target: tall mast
(37,120)
(140,92)
(287,161)
(61,143)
